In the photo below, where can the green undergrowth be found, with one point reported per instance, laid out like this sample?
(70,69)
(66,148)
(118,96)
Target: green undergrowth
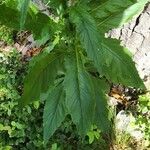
(135,135)
(6,35)
(14,130)
(143,118)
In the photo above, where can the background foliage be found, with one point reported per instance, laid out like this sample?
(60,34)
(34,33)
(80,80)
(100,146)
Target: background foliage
(14,129)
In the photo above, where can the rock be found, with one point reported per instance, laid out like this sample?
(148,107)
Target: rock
(125,122)
(122,121)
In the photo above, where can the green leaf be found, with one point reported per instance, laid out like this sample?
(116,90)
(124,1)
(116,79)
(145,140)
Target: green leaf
(38,23)
(79,93)
(111,60)
(101,108)
(114,13)
(88,33)
(117,65)
(11,3)
(54,111)
(9,16)
(43,71)
(91,137)
(24,10)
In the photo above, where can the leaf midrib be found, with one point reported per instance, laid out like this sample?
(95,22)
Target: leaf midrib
(79,92)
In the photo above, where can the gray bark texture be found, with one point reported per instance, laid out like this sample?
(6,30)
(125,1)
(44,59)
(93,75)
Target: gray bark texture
(135,36)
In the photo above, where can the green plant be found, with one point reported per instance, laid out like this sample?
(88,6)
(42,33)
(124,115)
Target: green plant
(5,34)
(124,141)
(18,127)
(143,118)
(73,72)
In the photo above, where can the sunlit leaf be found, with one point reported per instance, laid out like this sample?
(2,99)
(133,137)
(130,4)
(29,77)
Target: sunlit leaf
(114,13)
